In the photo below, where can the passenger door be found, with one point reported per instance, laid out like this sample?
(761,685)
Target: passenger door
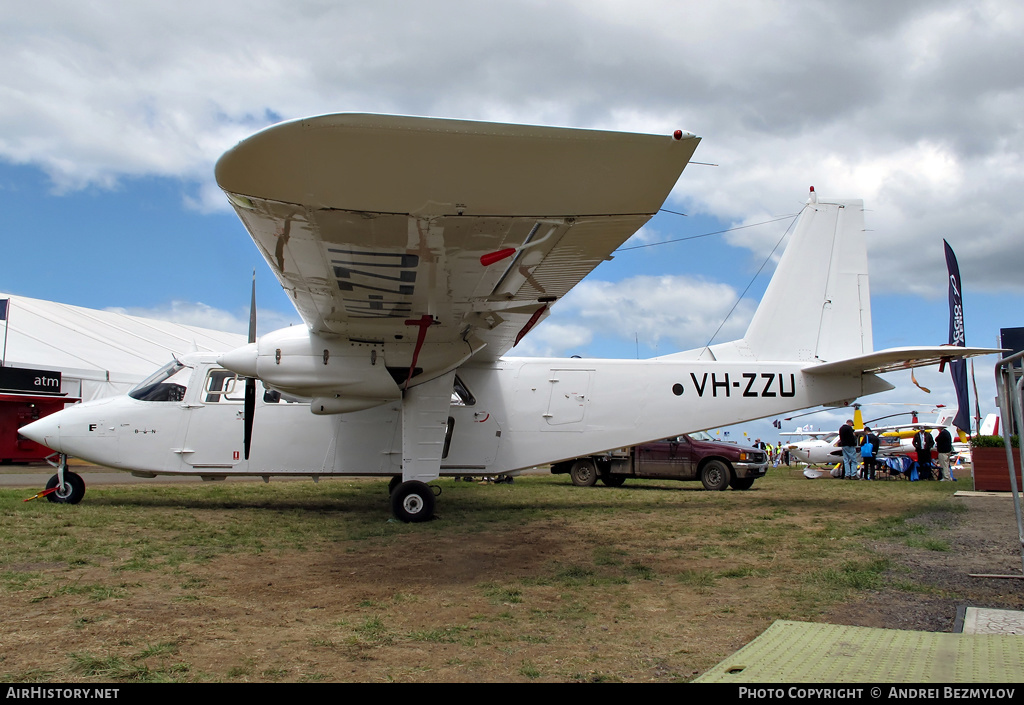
(215,427)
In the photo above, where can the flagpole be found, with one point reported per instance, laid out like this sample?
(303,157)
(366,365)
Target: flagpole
(977,404)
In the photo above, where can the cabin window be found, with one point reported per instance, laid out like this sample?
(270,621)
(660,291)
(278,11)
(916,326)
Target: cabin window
(166,384)
(223,387)
(461,396)
(226,387)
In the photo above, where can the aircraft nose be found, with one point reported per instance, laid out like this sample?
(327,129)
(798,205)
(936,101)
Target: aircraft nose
(45,431)
(241,361)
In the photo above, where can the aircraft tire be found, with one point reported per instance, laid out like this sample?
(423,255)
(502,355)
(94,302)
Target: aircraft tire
(412,502)
(715,476)
(610,480)
(74,489)
(741,483)
(583,473)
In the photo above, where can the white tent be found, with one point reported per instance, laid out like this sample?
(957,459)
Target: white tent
(98,353)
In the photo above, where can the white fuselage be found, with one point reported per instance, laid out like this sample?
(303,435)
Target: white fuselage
(524,412)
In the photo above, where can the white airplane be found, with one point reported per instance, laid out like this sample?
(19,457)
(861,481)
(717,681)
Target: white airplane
(819,448)
(824,449)
(418,253)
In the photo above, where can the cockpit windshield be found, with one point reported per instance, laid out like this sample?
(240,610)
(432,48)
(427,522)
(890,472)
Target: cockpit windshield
(166,384)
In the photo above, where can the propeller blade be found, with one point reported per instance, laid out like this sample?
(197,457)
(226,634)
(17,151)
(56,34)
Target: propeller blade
(252,310)
(250,382)
(250,410)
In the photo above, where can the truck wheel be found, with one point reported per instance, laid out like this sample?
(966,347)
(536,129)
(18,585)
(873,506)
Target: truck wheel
(741,483)
(71,493)
(583,473)
(613,480)
(715,476)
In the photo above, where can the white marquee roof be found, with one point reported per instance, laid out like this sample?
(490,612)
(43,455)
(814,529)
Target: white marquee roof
(102,347)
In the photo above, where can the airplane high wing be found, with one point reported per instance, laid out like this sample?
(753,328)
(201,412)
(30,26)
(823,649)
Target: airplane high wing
(423,242)
(418,252)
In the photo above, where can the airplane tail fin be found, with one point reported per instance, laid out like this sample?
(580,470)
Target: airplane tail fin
(990,426)
(817,306)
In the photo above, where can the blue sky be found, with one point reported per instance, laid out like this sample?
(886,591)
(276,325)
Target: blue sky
(111,118)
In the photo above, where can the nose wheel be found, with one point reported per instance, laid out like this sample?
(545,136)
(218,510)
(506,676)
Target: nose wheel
(70,492)
(65,487)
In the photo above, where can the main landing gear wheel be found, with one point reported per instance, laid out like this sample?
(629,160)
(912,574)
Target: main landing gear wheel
(583,473)
(413,501)
(72,491)
(715,476)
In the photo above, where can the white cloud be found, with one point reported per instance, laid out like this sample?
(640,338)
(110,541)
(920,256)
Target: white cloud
(193,313)
(664,313)
(913,106)
(553,339)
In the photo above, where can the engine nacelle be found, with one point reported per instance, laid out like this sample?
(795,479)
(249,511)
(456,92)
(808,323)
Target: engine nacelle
(338,374)
(295,361)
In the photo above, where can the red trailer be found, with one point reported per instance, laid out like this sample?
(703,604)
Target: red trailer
(17,410)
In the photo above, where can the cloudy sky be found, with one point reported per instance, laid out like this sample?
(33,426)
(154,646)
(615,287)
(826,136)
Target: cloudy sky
(112,115)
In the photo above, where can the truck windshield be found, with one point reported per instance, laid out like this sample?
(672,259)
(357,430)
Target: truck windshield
(166,384)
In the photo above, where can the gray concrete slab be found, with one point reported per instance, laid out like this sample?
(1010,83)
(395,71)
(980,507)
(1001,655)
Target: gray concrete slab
(982,620)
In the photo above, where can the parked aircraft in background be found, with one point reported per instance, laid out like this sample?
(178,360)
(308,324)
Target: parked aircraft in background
(990,426)
(821,447)
(419,252)
(895,439)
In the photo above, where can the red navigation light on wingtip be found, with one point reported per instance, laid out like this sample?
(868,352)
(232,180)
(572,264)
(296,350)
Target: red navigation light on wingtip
(678,135)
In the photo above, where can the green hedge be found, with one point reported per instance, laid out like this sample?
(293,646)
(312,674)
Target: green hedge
(992,442)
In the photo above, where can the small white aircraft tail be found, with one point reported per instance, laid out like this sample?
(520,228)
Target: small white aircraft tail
(818,305)
(990,426)
(817,308)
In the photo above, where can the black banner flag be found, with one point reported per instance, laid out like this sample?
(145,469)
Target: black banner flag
(957,368)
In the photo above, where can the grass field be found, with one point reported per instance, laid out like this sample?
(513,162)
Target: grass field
(533,581)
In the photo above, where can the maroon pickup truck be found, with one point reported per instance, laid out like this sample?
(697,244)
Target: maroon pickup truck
(695,456)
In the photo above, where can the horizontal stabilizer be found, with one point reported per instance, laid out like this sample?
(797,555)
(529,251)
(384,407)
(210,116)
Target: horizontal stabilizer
(895,359)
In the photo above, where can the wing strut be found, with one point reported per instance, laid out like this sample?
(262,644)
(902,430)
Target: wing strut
(531,323)
(424,322)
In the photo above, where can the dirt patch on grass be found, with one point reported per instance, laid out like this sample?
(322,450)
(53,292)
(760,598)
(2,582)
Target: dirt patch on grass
(539,581)
(931,568)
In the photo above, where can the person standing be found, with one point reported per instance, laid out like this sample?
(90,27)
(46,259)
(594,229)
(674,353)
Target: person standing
(869,453)
(944,447)
(923,444)
(848,442)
